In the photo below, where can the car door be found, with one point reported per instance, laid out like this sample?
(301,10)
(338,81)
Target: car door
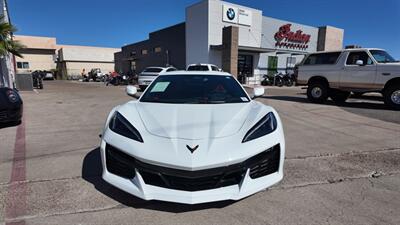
(358,76)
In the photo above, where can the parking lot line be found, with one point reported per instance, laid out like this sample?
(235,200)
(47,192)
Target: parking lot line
(16,195)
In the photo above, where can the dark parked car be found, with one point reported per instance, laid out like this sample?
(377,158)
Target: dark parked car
(11,107)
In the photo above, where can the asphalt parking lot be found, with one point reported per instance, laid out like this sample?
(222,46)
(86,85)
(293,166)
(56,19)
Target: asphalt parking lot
(342,165)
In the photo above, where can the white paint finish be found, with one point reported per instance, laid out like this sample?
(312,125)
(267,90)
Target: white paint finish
(166,130)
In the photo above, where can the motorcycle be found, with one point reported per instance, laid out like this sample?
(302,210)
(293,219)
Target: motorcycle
(37,78)
(289,79)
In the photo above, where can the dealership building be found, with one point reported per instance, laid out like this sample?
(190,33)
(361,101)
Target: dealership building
(238,39)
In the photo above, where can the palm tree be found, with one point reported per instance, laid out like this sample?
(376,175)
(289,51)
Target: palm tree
(7,44)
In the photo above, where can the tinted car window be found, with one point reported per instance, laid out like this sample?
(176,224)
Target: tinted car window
(198,68)
(322,58)
(152,70)
(195,89)
(354,56)
(214,68)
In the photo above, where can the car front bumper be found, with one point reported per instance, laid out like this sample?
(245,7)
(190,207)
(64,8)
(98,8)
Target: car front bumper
(138,183)
(8,116)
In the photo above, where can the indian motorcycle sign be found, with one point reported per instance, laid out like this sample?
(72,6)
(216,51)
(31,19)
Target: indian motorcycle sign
(285,38)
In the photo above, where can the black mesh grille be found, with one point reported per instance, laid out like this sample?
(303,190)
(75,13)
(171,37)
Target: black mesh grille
(119,163)
(260,165)
(265,163)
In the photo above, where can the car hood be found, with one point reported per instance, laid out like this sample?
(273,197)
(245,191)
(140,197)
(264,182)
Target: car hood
(193,121)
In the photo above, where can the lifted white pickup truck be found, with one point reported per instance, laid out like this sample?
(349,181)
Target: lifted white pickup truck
(361,70)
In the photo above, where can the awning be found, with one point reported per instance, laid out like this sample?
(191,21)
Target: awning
(260,50)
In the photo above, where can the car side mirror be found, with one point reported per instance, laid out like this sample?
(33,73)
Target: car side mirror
(131,91)
(360,62)
(258,92)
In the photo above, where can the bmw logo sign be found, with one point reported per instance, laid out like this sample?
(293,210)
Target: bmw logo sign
(230,13)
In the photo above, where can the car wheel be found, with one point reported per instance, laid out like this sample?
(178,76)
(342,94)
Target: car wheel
(317,92)
(391,96)
(339,96)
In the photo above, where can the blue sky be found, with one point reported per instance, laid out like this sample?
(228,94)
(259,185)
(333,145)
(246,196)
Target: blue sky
(369,23)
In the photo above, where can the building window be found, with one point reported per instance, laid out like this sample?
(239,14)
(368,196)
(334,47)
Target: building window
(133,53)
(133,66)
(157,49)
(23,65)
(144,52)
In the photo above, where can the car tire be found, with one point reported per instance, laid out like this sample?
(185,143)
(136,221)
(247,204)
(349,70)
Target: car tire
(339,96)
(391,96)
(317,91)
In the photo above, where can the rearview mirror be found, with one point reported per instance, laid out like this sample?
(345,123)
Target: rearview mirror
(131,91)
(360,62)
(258,92)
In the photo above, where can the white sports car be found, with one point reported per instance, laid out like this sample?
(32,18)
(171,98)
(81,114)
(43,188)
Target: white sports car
(193,137)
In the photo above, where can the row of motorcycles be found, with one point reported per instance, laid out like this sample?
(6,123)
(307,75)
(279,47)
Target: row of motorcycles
(111,78)
(279,79)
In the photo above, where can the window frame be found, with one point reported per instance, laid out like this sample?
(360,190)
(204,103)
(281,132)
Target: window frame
(369,56)
(157,49)
(322,64)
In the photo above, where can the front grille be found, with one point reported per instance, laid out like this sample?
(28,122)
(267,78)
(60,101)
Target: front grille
(260,165)
(265,163)
(119,163)
(191,180)
(3,115)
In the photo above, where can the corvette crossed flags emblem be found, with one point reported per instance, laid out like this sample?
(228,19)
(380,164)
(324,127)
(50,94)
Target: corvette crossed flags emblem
(192,149)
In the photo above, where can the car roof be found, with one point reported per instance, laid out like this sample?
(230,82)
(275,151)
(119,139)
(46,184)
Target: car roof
(201,64)
(155,67)
(183,72)
(347,50)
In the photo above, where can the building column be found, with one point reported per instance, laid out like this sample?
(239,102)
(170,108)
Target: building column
(230,49)
(330,38)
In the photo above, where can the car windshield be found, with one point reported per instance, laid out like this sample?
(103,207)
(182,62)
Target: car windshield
(195,89)
(382,57)
(198,68)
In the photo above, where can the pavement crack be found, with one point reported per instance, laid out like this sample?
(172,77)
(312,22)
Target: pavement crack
(395,149)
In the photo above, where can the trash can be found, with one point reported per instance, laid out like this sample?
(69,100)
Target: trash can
(24,82)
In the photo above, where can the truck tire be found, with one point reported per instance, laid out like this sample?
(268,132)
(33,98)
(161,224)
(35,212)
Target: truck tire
(317,91)
(391,96)
(339,96)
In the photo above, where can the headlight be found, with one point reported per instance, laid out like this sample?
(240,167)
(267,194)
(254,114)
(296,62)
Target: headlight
(121,126)
(12,96)
(263,127)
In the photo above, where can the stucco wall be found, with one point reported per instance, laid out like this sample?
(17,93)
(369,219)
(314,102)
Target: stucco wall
(75,68)
(330,38)
(37,42)
(86,53)
(196,33)
(37,62)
